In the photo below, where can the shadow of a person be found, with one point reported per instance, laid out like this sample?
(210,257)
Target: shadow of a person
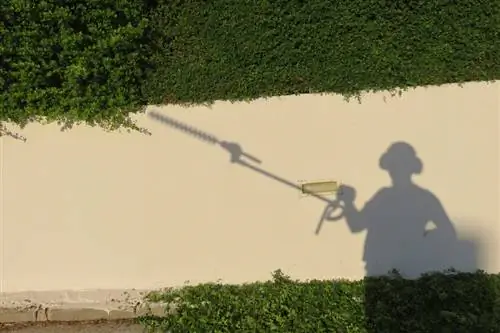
(397,219)
(397,238)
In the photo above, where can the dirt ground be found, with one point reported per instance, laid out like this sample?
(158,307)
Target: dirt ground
(125,326)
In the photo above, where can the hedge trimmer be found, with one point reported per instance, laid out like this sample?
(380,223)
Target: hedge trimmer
(238,156)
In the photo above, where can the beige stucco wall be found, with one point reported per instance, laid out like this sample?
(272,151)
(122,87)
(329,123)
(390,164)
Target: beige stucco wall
(86,209)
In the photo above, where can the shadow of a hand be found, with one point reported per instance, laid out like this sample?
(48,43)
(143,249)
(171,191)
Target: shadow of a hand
(346,194)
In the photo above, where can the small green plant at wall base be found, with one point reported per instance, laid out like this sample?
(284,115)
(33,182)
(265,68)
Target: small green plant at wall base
(437,302)
(95,61)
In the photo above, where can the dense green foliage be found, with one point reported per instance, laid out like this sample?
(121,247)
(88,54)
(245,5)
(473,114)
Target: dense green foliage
(73,60)
(444,302)
(96,60)
(244,49)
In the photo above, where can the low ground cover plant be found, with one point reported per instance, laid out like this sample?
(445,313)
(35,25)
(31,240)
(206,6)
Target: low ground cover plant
(437,302)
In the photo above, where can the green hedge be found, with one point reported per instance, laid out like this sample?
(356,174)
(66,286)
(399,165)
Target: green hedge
(76,60)
(224,49)
(96,60)
(440,302)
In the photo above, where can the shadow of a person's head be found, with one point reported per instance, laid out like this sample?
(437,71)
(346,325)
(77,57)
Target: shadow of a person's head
(401,162)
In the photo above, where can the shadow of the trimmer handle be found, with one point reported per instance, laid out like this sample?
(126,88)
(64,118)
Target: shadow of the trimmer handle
(334,211)
(252,158)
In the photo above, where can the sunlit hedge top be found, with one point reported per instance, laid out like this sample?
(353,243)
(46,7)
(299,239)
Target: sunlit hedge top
(95,60)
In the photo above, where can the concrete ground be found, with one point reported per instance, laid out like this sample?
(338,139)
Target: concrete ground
(125,326)
(96,311)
